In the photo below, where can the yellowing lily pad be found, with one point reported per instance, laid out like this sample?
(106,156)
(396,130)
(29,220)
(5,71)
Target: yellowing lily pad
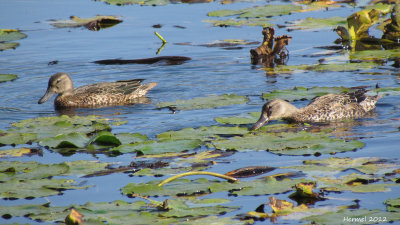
(288,143)
(7,35)
(14,152)
(7,77)
(96,23)
(205,102)
(302,93)
(258,11)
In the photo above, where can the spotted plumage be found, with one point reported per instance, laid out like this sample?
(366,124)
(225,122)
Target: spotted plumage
(93,95)
(324,108)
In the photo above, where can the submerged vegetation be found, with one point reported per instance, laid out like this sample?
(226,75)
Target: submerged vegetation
(173,176)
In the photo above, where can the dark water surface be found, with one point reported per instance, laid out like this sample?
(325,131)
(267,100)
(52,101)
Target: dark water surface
(211,71)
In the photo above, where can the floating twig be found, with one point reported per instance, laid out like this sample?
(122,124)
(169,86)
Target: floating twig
(159,36)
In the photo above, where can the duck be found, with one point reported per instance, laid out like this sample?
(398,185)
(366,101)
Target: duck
(122,92)
(330,107)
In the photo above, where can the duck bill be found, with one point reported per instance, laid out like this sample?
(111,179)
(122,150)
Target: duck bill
(49,93)
(263,120)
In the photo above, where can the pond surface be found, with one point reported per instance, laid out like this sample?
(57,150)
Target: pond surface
(212,71)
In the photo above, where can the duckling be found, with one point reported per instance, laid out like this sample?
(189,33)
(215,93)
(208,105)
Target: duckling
(94,95)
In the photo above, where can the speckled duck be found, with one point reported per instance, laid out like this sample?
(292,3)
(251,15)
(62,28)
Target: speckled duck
(329,107)
(94,95)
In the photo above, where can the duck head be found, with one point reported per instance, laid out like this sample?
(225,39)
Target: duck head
(274,110)
(59,83)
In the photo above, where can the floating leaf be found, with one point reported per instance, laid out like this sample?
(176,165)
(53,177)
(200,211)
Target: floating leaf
(130,138)
(18,152)
(302,93)
(96,23)
(317,23)
(375,54)
(157,147)
(7,77)
(205,102)
(288,143)
(11,35)
(74,218)
(241,22)
(258,11)
(321,67)
(84,167)
(35,188)
(283,207)
(334,165)
(105,138)
(361,216)
(8,45)
(249,118)
(72,140)
(202,133)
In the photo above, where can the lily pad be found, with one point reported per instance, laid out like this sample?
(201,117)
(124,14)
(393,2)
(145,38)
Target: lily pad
(241,22)
(258,11)
(310,23)
(288,143)
(361,216)
(96,23)
(205,102)
(18,152)
(7,35)
(130,138)
(157,147)
(71,140)
(302,93)
(105,138)
(49,127)
(249,118)
(375,54)
(8,45)
(322,67)
(133,2)
(202,133)
(7,77)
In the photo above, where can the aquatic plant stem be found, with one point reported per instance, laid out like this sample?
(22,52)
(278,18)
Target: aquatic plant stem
(197,173)
(159,36)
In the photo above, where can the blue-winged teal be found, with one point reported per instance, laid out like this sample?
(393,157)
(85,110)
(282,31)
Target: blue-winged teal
(324,108)
(94,95)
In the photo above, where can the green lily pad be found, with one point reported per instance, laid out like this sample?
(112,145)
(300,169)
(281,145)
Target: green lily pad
(83,167)
(35,188)
(8,45)
(7,77)
(288,143)
(130,138)
(394,202)
(49,127)
(317,23)
(7,35)
(96,23)
(120,212)
(360,216)
(157,147)
(353,182)
(249,118)
(30,170)
(334,165)
(258,11)
(241,22)
(302,93)
(202,185)
(72,140)
(105,138)
(201,133)
(375,54)
(322,67)
(205,102)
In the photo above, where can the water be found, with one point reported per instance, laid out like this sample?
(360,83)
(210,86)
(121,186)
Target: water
(211,71)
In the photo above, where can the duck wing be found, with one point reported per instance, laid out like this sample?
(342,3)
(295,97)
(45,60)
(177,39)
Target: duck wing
(124,87)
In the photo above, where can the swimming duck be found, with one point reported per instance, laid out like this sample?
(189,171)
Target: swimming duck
(324,108)
(99,94)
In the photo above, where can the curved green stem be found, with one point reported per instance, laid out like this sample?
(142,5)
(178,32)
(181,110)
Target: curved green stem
(159,36)
(197,173)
